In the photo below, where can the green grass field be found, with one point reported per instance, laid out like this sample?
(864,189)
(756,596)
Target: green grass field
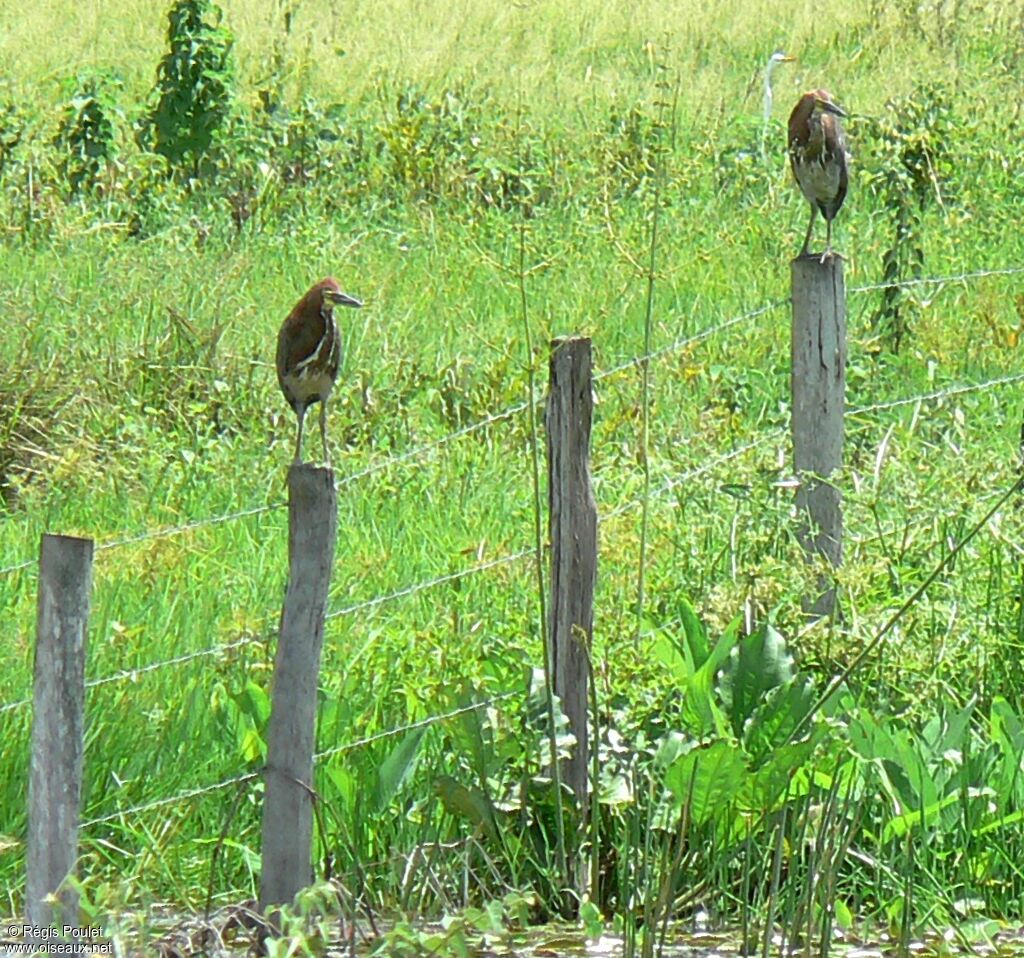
(137,393)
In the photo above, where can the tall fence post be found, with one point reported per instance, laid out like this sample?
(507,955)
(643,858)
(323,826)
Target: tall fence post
(573,528)
(818,385)
(55,775)
(287,842)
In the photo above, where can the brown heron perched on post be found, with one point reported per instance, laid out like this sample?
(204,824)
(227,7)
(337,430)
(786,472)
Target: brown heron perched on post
(309,354)
(817,152)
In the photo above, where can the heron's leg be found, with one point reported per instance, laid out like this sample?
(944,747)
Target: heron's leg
(807,239)
(301,412)
(323,430)
(828,240)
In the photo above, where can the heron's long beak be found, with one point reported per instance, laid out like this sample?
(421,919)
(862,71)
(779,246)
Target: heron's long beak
(342,299)
(831,107)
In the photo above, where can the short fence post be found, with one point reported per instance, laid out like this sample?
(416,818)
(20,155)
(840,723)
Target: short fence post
(818,382)
(55,776)
(573,528)
(287,841)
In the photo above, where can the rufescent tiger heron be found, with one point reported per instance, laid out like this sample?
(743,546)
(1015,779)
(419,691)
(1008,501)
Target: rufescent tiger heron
(818,155)
(309,354)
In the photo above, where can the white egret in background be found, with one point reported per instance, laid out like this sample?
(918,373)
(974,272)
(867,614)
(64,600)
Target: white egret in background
(773,61)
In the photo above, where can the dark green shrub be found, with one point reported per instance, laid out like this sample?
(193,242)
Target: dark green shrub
(194,88)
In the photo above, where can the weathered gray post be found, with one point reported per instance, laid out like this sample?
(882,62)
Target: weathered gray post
(573,528)
(288,799)
(818,387)
(55,775)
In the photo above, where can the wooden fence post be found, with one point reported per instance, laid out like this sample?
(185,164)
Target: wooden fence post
(287,841)
(573,528)
(55,775)
(818,384)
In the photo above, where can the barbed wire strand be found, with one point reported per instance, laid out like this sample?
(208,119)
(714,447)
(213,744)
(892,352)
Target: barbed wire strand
(132,674)
(419,451)
(696,472)
(430,583)
(412,726)
(929,518)
(938,280)
(946,393)
(163,533)
(681,343)
(190,526)
(171,800)
(18,566)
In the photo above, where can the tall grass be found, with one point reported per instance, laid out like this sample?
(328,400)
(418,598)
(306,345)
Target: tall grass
(137,395)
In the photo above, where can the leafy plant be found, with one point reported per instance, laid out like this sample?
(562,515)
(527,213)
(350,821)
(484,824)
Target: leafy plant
(13,122)
(87,136)
(911,161)
(195,86)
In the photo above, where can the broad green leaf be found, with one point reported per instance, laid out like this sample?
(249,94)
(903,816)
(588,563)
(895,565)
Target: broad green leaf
(758,663)
(777,716)
(699,710)
(694,634)
(844,917)
(254,702)
(774,779)
(710,778)
(670,747)
(394,770)
(591,919)
(666,651)
(1007,732)
(345,782)
(896,755)
(252,746)
(1007,728)
(899,825)
(470,731)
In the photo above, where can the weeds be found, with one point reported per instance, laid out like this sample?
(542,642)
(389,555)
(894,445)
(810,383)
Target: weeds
(912,160)
(88,132)
(13,121)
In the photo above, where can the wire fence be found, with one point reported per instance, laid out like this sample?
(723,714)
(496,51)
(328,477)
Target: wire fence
(419,452)
(938,280)
(365,605)
(133,674)
(937,395)
(192,794)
